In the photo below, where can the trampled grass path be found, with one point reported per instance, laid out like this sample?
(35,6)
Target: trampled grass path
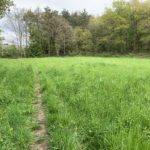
(40,142)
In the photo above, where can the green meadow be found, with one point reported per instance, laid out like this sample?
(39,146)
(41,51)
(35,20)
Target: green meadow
(91,103)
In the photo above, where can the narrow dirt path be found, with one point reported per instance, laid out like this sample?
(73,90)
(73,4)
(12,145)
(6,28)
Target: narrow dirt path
(40,142)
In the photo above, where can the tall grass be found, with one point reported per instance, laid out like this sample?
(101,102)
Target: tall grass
(90,103)
(16,98)
(97,105)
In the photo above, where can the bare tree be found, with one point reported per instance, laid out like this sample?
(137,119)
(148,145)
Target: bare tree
(18,25)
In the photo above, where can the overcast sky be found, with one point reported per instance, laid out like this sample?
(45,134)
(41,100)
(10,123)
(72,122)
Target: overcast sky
(95,7)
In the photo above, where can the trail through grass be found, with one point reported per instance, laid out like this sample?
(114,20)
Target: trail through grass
(40,140)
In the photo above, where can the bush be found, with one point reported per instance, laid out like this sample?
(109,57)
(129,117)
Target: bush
(10,51)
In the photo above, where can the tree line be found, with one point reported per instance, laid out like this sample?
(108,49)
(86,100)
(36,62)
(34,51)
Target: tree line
(124,28)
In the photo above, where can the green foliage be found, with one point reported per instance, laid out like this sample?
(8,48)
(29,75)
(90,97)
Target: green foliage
(122,29)
(4,4)
(80,19)
(50,34)
(83,40)
(10,51)
(35,48)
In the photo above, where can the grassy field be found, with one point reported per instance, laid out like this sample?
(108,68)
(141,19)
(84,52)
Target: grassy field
(16,97)
(90,103)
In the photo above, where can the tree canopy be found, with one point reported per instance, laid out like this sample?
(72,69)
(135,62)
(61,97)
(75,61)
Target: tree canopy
(124,28)
(4,4)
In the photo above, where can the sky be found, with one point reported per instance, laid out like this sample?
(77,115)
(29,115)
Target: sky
(94,7)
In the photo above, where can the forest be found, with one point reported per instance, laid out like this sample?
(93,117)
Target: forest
(122,29)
